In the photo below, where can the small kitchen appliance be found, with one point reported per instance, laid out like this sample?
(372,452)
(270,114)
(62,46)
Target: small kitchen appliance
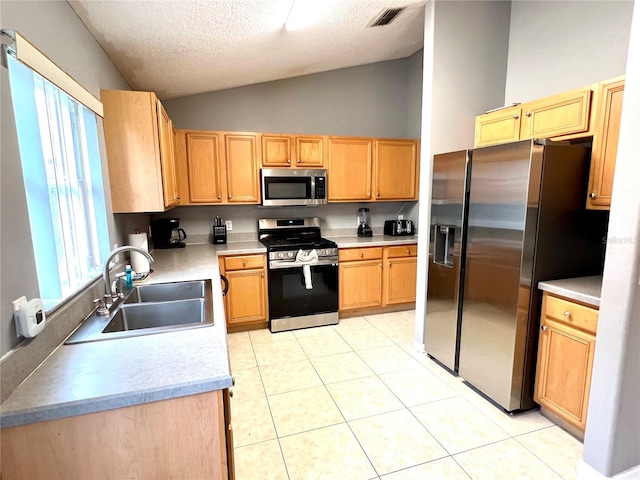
(219,231)
(364,220)
(166,233)
(302,273)
(399,227)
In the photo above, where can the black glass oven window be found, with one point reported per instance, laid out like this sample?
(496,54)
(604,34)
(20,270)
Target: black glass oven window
(288,296)
(288,188)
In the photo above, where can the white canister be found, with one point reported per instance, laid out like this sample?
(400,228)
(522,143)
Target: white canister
(139,262)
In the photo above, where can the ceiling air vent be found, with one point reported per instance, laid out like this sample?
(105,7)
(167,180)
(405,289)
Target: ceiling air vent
(386,17)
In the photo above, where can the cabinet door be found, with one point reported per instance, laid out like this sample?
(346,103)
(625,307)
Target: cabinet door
(231,468)
(242,168)
(276,151)
(498,127)
(396,170)
(349,169)
(167,159)
(563,378)
(203,164)
(400,280)
(360,284)
(562,114)
(309,152)
(247,296)
(605,144)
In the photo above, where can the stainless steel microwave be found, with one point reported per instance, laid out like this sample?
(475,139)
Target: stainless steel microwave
(293,187)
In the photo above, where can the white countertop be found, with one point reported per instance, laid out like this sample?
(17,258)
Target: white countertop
(375,241)
(582,289)
(91,377)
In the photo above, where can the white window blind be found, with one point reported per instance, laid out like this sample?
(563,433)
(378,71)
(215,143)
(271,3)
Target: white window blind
(58,141)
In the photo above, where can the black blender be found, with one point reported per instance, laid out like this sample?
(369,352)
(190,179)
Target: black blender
(364,219)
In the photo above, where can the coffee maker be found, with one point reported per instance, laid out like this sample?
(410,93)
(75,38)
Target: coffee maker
(166,233)
(364,219)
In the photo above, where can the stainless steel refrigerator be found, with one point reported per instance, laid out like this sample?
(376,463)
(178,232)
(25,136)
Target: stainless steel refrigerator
(523,222)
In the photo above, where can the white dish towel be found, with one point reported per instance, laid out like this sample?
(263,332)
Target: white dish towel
(306,258)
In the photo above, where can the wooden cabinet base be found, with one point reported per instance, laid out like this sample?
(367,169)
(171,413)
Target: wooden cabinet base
(177,438)
(562,423)
(374,311)
(246,327)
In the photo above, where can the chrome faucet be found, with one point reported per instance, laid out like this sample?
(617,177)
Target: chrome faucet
(104,308)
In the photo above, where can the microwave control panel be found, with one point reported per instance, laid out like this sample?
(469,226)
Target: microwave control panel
(320,187)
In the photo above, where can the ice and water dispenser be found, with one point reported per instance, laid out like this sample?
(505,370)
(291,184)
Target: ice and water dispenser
(444,244)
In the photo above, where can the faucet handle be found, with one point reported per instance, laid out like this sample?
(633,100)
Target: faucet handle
(102,306)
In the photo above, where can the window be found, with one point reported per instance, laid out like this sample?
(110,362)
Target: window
(58,140)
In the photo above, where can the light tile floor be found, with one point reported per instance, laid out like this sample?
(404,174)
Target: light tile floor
(355,402)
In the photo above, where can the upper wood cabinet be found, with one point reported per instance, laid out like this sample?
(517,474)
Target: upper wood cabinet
(396,170)
(296,151)
(366,169)
(350,169)
(498,127)
(204,167)
(605,143)
(241,161)
(139,142)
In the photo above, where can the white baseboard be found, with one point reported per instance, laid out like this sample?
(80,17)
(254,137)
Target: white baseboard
(418,347)
(587,472)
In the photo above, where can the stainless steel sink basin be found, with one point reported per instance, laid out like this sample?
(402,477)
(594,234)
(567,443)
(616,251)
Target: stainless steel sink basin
(151,309)
(156,315)
(163,292)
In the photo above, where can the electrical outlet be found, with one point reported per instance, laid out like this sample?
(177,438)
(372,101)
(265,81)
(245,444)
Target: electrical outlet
(229,225)
(115,259)
(400,217)
(18,303)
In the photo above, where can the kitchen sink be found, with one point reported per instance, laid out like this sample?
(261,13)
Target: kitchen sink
(163,292)
(151,309)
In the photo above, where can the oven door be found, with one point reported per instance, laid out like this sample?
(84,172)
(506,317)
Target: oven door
(289,297)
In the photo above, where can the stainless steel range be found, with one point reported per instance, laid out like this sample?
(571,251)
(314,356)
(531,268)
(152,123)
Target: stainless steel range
(302,273)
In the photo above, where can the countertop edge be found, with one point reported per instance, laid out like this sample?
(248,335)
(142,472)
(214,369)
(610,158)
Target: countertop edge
(583,289)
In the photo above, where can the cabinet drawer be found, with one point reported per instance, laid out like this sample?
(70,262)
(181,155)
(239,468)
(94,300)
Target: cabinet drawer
(244,262)
(570,313)
(350,254)
(402,251)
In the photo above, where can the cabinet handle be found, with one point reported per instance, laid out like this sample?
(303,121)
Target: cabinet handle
(528,114)
(289,160)
(298,161)
(262,274)
(378,193)
(361,255)
(380,264)
(244,263)
(230,196)
(178,198)
(408,252)
(567,314)
(543,327)
(516,116)
(231,393)
(233,381)
(219,196)
(369,194)
(593,195)
(389,264)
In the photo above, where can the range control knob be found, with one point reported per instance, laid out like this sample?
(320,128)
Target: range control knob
(280,255)
(290,254)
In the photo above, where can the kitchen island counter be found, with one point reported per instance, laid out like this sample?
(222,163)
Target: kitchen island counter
(96,376)
(582,289)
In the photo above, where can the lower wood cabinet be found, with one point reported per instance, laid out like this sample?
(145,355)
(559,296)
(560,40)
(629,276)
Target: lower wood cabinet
(246,299)
(376,277)
(185,437)
(565,358)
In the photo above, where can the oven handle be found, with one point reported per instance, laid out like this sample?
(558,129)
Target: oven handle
(279,264)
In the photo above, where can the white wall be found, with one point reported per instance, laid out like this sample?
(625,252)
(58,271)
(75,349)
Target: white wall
(465,63)
(612,437)
(54,28)
(556,46)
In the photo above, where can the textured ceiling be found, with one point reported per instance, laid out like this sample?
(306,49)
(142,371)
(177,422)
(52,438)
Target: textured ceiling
(178,48)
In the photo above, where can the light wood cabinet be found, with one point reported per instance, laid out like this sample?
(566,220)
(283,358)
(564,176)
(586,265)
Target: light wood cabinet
(296,151)
(241,161)
(139,142)
(563,114)
(350,169)
(376,277)
(400,264)
(151,440)
(246,300)
(605,143)
(204,169)
(500,126)
(396,169)
(565,358)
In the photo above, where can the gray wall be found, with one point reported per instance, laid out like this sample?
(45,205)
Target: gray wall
(465,63)
(556,46)
(369,100)
(612,437)
(54,28)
